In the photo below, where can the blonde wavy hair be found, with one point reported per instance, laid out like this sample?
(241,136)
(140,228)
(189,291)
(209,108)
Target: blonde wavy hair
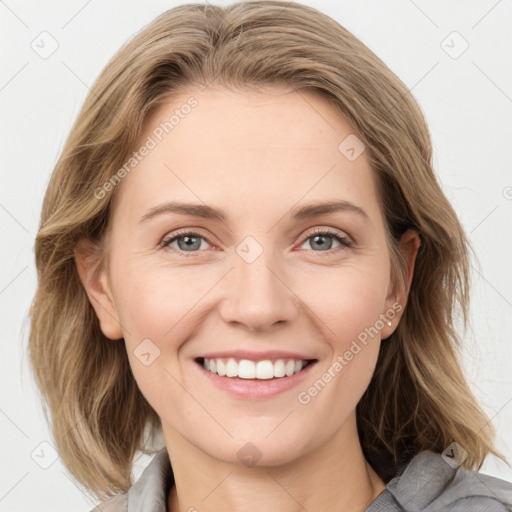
(418,398)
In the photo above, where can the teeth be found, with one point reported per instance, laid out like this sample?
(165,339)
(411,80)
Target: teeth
(247,369)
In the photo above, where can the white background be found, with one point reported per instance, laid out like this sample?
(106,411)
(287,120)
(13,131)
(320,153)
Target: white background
(468,105)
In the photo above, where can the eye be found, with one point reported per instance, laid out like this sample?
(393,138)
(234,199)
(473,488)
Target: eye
(191,241)
(187,241)
(320,239)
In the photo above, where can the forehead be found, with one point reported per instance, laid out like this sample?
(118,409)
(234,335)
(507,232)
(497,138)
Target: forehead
(255,149)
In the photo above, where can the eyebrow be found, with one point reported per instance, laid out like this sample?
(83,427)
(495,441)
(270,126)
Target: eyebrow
(209,212)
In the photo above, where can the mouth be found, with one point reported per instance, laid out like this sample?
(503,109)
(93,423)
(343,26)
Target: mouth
(245,379)
(246,369)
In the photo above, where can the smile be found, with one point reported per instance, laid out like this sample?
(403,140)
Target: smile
(247,369)
(254,380)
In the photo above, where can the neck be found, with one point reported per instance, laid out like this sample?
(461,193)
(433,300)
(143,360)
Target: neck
(334,476)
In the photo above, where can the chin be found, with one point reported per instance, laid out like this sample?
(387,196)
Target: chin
(257,450)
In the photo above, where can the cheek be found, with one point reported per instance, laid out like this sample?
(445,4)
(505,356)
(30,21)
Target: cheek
(350,311)
(155,310)
(349,299)
(353,335)
(158,311)
(154,301)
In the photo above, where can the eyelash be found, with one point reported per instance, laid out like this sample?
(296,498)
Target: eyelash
(344,241)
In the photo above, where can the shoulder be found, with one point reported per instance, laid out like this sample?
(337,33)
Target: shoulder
(432,483)
(149,492)
(117,503)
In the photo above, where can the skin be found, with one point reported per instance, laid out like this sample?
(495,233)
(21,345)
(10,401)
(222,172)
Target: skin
(257,155)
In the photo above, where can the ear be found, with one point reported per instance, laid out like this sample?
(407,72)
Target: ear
(398,293)
(96,284)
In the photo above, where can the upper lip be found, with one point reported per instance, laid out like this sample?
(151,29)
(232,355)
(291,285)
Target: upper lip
(272,355)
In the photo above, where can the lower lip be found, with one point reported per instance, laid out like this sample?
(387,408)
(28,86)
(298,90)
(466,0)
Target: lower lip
(255,389)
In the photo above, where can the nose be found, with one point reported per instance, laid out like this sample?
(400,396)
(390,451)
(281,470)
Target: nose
(258,295)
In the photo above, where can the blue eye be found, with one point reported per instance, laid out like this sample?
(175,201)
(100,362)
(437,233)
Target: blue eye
(188,241)
(321,235)
(191,241)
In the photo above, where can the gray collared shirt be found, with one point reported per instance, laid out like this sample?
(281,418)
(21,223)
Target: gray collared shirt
(426,484)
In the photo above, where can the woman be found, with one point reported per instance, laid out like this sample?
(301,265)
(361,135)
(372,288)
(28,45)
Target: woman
(243,246)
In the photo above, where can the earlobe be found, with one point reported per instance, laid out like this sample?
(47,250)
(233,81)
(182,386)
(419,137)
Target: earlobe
(95,282)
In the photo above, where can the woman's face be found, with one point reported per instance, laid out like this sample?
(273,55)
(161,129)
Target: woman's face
(236,268)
